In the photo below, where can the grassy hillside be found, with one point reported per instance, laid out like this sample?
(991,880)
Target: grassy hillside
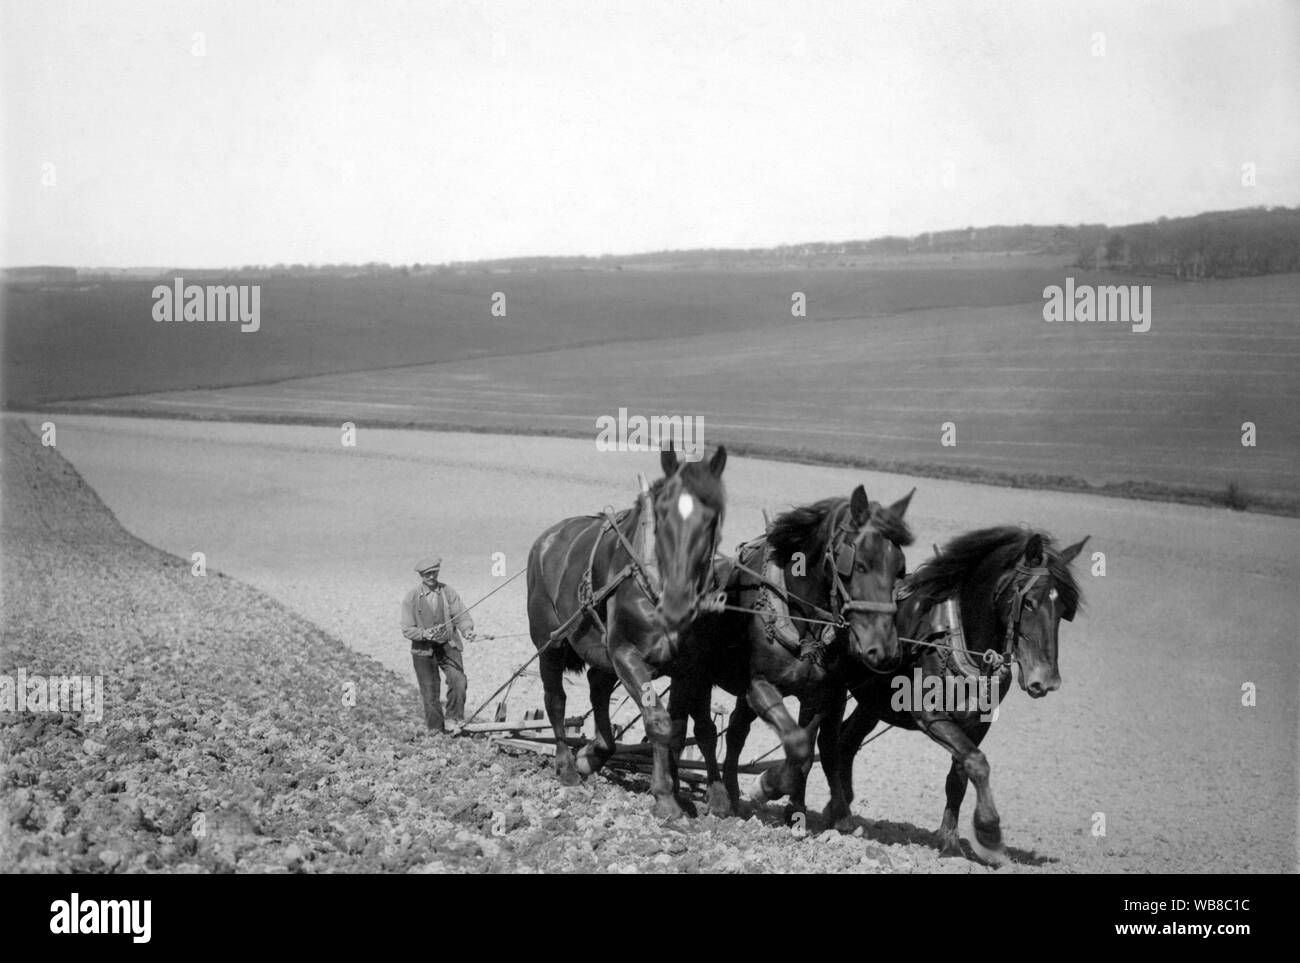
(80,340)
(1071,406)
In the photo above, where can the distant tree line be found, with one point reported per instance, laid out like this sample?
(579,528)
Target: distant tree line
(1221,244)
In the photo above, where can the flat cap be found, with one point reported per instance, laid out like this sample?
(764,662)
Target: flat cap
(428,562)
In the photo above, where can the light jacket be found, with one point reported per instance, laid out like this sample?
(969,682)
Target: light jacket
(425,608)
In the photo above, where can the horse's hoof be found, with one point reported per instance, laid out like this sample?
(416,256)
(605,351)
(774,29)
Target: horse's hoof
(718,803)
(796,815)
(834,814)
(950,845)
(990,849)
(590,762)
(568,775)
(667,807)
(994,857)
(762,792)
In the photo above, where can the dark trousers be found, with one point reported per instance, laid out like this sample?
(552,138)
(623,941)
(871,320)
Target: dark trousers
(426,675)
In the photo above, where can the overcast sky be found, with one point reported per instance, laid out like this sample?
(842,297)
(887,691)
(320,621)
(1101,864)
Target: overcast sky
(327,131)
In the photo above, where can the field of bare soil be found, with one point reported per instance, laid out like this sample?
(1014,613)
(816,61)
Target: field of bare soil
(226,743)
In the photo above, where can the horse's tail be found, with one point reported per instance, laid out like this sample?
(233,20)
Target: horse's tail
(573,663)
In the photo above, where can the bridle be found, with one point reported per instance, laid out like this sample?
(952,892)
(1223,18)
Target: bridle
(841,555)
(1021,581)
(707,589)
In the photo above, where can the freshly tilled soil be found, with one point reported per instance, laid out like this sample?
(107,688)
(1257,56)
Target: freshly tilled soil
(238,737)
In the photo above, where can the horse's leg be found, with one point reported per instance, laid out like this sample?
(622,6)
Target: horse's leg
(706,737)
(853,731)
(636,678)
(742,718)
(597,752)
(551,666)
(810,721)
(955,789)
(987,840)
(679,704)
(828,744)
(779,780)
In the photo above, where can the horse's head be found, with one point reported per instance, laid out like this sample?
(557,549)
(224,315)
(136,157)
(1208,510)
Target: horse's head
(1032,598)
(688,504)
(867,558)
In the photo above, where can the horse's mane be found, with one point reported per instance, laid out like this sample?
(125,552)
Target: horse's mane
(942,576)
(805,529)
(700,481)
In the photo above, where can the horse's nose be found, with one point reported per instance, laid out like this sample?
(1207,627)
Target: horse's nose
(1037,689)
(673,613)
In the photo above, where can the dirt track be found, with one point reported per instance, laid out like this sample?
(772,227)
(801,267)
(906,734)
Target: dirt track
(1148,727)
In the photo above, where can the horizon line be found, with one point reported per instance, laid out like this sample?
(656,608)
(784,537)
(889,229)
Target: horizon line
(1081,225)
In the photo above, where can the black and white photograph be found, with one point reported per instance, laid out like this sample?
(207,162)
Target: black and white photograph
(676,437)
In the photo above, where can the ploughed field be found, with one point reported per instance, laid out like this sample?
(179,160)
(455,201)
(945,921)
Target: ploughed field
(226,745)
(886,356)
(1148,728)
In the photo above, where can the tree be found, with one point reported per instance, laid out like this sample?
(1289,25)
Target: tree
(1114,248)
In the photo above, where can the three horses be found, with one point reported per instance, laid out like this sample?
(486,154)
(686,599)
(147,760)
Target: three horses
(643,594)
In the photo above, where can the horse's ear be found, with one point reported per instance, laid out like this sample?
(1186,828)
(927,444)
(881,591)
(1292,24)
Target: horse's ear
(899,507)
(668,460)
(859,506)
(718,461)
(1034,550)
(1068,554)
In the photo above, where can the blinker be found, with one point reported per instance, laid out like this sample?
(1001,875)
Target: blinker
(844,558)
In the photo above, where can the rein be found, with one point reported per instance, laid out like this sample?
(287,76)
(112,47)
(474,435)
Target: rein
(836,556)
(1022,579)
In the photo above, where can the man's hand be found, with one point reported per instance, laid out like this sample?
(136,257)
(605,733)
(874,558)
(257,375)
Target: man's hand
(432,635)
(469,636)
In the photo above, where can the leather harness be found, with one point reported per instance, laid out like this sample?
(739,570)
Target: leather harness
(590,600)
(839,558)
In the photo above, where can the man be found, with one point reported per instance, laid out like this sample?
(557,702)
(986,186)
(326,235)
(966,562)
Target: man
(437,624)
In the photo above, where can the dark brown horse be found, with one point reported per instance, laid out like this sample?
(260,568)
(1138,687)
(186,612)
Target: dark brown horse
(1012,588)
(840,558)
(616,596)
